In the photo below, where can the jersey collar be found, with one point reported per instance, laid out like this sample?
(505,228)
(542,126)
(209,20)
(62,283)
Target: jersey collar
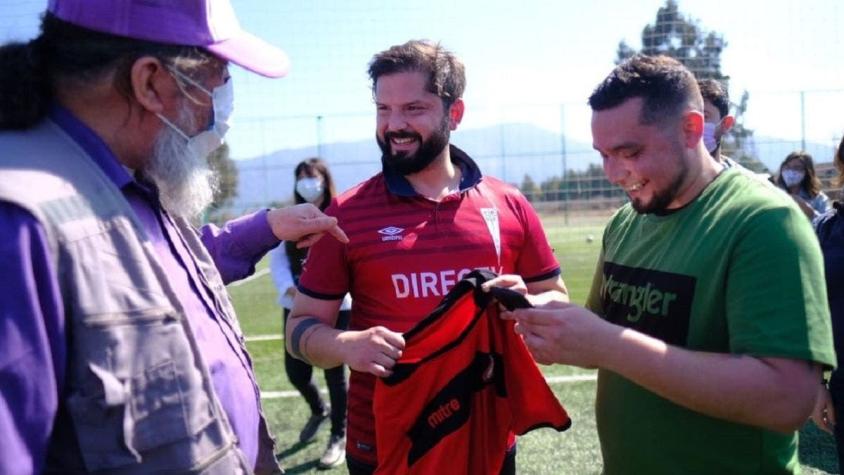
(471,175)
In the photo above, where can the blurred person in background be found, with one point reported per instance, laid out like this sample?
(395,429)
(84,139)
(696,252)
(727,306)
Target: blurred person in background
(830,230)
(313,185)
(718,122)
(120,351)
(717,119)
(797,177)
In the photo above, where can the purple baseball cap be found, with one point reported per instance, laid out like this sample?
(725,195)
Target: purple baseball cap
(210,24)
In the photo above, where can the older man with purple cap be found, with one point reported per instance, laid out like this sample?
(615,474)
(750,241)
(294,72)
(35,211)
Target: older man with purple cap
(119,348)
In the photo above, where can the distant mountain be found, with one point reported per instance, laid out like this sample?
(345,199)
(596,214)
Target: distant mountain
(772,151)
(508,151)
(269,178)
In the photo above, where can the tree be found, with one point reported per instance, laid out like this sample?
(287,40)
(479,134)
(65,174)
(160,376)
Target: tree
(226,191)
(530,189)
(682,38)
(578,185)
(739,142)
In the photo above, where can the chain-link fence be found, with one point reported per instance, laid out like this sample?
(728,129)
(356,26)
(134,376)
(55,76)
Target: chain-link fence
(546,150)
(543,147)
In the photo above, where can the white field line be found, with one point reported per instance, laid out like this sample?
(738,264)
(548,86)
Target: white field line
(278,336)
(252,277)
(577,378)
(549,380)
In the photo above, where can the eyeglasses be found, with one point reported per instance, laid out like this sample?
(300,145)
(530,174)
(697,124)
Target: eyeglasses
(193,82)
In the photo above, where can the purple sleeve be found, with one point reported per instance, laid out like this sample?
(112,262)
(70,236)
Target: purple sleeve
(32,342)
(238,246)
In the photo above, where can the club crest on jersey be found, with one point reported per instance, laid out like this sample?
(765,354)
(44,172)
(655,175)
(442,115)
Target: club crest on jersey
(391,233)
(490,216)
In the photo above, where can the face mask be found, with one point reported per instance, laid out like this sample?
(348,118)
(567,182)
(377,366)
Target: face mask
(309,188)
(792,177)
(709,136)
(222,100)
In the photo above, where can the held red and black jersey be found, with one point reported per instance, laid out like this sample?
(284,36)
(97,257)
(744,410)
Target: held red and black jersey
(465,381)
(405,253)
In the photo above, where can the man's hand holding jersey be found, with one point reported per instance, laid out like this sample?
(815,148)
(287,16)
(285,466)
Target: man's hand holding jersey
(537,293)
(311,337)
(558,332)
(374,350)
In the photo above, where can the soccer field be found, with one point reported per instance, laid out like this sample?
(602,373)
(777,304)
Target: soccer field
(576,242)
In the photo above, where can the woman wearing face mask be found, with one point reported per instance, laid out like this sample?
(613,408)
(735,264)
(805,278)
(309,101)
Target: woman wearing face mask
(797,177)
(313,185)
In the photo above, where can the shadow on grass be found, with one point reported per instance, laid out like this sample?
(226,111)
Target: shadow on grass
(302,467)
(292,450)
(817,449)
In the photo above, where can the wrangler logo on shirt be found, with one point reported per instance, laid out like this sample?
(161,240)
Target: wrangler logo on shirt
(653,302)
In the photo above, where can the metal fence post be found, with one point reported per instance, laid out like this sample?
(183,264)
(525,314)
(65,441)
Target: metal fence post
(563,162)
(803,120)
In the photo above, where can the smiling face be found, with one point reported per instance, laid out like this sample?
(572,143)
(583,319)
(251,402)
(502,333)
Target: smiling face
(646,160)
(412,125)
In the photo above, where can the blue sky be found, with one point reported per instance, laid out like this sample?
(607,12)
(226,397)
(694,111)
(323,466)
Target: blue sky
(522,59)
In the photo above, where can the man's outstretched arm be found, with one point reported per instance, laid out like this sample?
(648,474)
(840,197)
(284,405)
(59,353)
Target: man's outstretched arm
(774,393)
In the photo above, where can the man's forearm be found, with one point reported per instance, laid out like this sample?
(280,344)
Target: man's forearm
(313,341)
(774,393)
(238,246)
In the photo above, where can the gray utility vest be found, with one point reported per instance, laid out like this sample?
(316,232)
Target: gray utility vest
(138,398)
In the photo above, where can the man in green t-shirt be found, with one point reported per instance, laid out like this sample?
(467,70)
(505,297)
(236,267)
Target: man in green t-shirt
(714,325)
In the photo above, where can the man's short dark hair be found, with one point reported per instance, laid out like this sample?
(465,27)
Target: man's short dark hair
(713,91)
(664,84)
(445,71)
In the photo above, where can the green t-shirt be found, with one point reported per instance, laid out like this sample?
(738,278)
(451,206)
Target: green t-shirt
(738,270)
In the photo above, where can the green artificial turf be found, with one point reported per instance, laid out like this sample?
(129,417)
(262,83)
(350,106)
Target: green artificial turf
(576,242)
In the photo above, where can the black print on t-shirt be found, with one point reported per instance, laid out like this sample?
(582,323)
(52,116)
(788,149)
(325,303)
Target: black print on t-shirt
(452,406)
(653,302)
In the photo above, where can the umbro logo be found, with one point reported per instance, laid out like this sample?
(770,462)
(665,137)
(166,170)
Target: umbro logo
(391,233)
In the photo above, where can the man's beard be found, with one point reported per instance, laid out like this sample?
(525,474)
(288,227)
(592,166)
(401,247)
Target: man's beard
(185,182)
(662,199)
(407,164)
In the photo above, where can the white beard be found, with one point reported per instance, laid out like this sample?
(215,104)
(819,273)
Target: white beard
(186,184)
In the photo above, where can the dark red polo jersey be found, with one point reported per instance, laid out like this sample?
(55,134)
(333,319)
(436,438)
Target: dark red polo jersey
(463,383)
(406,252)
